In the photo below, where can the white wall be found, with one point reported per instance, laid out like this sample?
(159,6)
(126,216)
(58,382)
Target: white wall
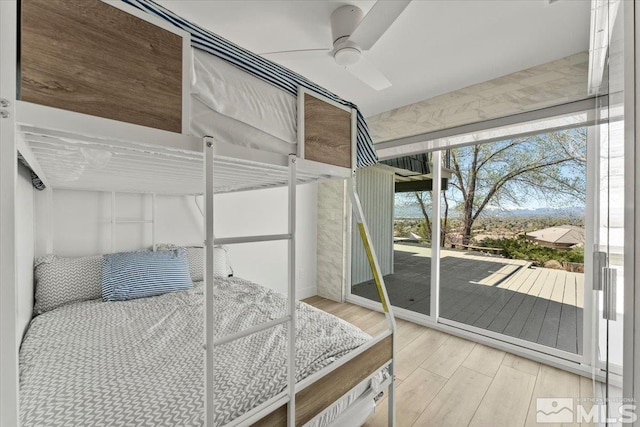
(25,250)
(265,212)
(81,225)
(81,222)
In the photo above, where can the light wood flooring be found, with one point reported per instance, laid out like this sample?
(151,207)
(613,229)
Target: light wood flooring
(443,380)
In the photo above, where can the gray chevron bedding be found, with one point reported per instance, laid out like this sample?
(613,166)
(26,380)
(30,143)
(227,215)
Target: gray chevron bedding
(140,362)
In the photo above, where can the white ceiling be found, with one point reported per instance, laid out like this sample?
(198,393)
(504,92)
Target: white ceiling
(434,47)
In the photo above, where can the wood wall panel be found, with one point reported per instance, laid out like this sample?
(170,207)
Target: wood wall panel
(277,418)
(321,394)
(89,57)
(327,132)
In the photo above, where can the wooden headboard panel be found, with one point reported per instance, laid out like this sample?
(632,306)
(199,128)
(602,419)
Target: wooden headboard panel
(326,130)
(90,57)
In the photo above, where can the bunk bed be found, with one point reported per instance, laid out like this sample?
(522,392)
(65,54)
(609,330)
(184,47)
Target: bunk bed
(128,97)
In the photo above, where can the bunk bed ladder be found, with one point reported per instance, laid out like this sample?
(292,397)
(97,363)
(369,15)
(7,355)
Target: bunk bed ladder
(382,289)
(210,342)
(291,339)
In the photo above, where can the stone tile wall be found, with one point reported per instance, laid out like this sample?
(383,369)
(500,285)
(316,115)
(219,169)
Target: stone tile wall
(546,85)
(332,241)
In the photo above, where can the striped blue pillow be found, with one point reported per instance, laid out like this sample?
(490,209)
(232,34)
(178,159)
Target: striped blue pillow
(130,275)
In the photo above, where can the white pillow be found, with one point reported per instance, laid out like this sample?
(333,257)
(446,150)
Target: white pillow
(195,258)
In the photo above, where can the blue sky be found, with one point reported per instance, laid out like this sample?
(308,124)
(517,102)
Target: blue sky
(527,199)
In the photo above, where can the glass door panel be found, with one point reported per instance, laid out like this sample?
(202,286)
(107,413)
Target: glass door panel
(399,220)
(608,293)
(512,264)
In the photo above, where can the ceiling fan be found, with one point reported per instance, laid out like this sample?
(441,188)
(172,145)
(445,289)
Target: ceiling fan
(353,34)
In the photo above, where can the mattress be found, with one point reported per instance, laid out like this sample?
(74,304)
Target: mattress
(262,69)
(239,108)
(205,121)
(140,362)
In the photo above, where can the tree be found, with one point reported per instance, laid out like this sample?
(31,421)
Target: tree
(425,208)
(550,166)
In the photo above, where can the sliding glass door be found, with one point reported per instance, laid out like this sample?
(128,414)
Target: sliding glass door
(530,246)
(499,248)
(608,240)
(399,212)
(512,257)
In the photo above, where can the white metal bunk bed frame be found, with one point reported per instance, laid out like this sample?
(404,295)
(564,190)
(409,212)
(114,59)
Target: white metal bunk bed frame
(23,126)
(65,121)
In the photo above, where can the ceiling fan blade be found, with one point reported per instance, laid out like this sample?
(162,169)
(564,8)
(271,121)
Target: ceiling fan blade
(296,54)
(369,74)
(377,21)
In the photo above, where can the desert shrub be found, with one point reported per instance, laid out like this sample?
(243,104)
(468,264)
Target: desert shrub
(520,248)
(423,231)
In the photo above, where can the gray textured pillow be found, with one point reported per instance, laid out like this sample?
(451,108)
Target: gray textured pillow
(61,281)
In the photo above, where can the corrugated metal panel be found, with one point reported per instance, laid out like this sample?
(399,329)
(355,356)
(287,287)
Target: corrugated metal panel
(375,188)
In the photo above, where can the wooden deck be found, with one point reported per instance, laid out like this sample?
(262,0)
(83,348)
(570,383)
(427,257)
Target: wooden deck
(505,296)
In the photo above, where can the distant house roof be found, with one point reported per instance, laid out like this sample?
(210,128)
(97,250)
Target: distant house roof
(561,235)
